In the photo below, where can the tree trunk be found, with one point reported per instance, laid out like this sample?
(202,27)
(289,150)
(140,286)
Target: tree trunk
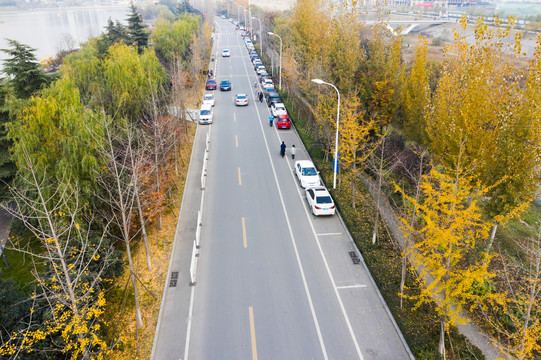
(143,229)
(441,346)
(492,236)
(378,196)
(403,278)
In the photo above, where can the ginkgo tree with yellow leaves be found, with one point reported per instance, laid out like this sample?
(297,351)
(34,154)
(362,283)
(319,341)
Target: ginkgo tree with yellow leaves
(355,144)
(444,248)
(482,122)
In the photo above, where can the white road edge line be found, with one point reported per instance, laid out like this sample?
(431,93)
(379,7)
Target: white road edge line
(351,286)
(299,263)
(328,234)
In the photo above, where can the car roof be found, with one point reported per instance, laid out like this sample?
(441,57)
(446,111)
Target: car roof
(209,95)
(205,106)
(319,190)
(276,104)
(304,163)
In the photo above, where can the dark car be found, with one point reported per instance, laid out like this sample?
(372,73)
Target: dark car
(273,97)
(225,85)
(211,85)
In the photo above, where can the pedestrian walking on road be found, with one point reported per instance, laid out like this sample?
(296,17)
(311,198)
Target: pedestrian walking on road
(293,151)
(271,120)
(261,96)
(283,149)
(255,84)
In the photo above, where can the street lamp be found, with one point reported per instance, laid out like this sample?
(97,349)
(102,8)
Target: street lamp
(321,82)
(260,37)
(271,33)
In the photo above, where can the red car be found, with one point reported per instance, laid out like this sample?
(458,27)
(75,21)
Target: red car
(283,122)
(211,85)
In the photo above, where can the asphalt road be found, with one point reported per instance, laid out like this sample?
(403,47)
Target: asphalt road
(273,281)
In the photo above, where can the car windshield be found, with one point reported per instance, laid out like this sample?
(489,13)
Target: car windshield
(211,82)
(323,200)
(309,171)
(205,112)
(225,82)
(208,97)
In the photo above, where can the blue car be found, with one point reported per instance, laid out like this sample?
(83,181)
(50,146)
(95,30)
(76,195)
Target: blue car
(225,85)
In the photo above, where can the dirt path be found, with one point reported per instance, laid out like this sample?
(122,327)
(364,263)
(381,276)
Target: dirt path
(470,330)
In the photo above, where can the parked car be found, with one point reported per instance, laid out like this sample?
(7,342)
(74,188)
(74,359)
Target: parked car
(205,114)
(267,82)
(278,109)
(210,85)
(320,201)
(260,69)
(306,173)
(226,53)
(208,99)
(273,97)
(283,122)
(225,85)
(241,100)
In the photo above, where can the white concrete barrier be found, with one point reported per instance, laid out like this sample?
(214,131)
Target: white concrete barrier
(193,266)
(198,230)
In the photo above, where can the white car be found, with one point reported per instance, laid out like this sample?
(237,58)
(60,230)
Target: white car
(209,99)
(307,173)
(241,100)
(320,201)
(205,114)
(268,83)
(278,109)
(260,68)
(226,53)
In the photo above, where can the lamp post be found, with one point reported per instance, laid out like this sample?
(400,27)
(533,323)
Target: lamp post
(335,160)
(271,33)
(260,37)
(238,12)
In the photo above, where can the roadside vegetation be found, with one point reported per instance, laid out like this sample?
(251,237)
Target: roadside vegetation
(92,167)
(449,148)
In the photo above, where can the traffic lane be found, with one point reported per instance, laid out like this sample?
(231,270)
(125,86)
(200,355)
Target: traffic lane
(367,315)
(284,329)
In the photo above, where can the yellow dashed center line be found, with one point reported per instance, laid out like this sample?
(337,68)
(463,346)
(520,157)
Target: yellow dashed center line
(244,233)
(252,333)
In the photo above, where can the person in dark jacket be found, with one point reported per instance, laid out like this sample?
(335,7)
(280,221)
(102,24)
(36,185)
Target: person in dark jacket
(283,149)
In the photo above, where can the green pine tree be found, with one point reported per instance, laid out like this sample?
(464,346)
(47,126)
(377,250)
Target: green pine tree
(25,74)
(7,167)
(137,33)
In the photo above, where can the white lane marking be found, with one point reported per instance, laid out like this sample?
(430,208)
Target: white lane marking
(351,287)
(292,238)
(329,234)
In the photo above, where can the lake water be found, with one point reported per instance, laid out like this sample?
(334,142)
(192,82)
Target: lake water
(46,30)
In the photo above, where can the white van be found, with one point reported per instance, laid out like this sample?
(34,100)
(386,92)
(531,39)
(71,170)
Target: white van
(205,114)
